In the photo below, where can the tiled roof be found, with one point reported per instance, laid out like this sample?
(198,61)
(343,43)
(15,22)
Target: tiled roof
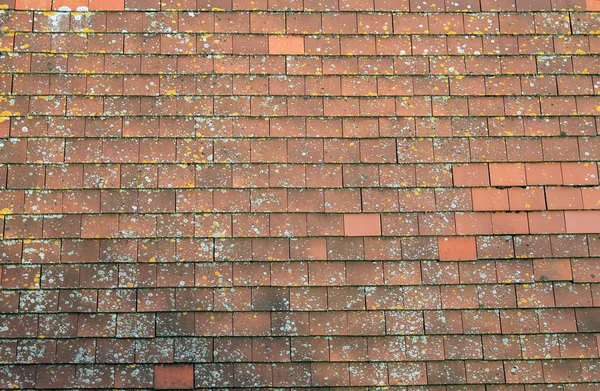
(300,194)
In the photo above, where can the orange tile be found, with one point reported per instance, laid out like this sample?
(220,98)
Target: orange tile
(457,248)
(592,5)
(70,4)
(583,221)
(33,4)
(286,45)
(362,224)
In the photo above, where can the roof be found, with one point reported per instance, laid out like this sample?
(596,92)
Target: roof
(300,194)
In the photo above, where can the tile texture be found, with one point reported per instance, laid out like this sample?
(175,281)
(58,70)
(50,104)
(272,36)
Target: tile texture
(300,194)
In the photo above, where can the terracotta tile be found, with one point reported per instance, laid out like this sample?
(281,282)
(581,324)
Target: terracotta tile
(362,225)
(457,248)
(592,5)
(286,45)
(181,376)
(581,222)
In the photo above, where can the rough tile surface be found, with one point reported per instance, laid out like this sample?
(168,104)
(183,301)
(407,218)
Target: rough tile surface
(295,194)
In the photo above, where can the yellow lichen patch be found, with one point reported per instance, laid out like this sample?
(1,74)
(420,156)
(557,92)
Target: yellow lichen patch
(5,116)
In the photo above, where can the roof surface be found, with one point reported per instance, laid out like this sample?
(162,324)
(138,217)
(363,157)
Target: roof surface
(300,194)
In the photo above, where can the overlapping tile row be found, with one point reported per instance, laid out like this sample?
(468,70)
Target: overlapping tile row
(293,194)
